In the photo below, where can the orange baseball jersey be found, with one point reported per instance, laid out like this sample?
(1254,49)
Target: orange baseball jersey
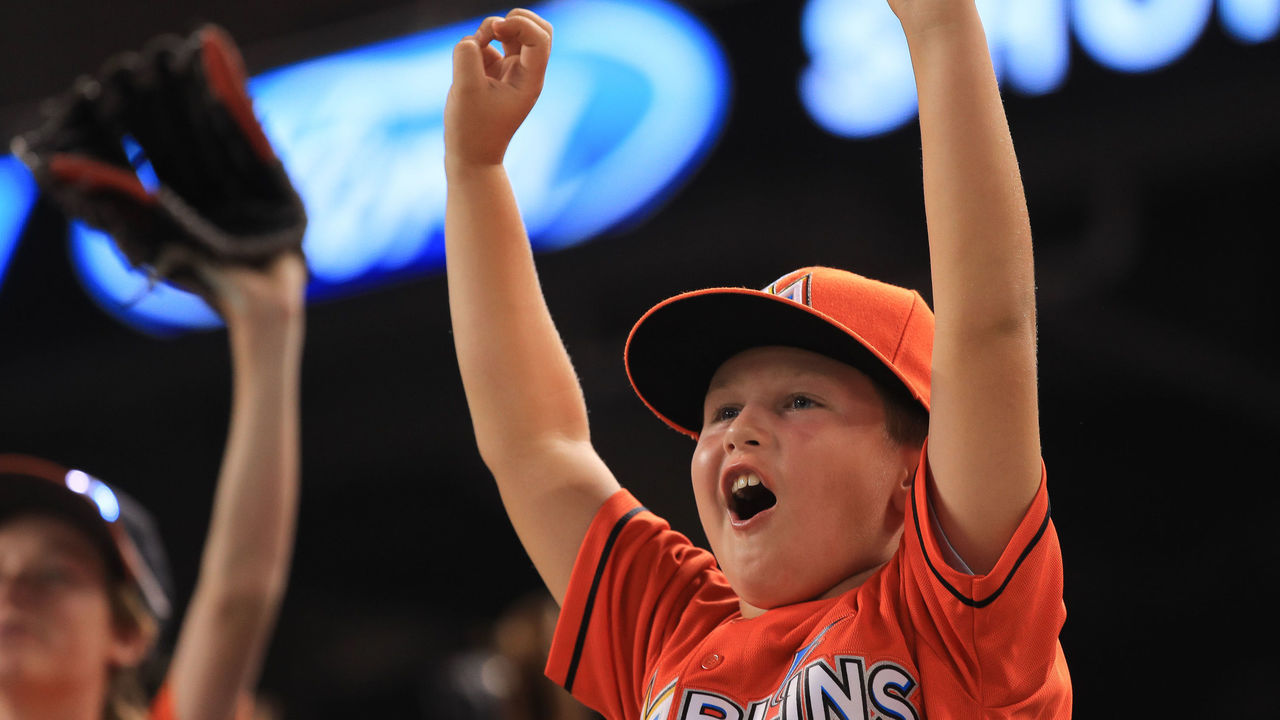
(650,629)
(162,706)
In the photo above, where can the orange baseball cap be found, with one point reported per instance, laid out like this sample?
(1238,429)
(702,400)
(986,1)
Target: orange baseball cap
(883,330)
(121,528)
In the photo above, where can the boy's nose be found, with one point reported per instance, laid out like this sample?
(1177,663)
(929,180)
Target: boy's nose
(746,430)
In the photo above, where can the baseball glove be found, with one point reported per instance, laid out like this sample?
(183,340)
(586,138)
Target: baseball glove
(222,194)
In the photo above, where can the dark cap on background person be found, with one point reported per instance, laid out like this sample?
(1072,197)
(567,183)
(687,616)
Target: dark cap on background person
(122,530)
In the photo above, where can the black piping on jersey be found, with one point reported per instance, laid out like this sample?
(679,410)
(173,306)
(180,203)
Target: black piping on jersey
(591,597)
(1044,525)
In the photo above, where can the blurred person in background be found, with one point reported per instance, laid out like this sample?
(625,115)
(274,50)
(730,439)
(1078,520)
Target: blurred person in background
(81,604)
(502,677)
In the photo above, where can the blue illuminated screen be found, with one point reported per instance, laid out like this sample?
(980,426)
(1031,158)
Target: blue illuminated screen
(859,83)
(17,194)
(618,126)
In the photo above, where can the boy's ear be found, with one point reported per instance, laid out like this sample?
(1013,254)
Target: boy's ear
(909,462)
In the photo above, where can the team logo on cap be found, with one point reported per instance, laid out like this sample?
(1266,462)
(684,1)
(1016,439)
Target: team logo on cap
(796,291)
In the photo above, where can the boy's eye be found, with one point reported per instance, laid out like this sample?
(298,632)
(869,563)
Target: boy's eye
(801,402)
(724,413)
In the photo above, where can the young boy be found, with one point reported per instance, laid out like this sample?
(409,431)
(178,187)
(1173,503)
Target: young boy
(858,571)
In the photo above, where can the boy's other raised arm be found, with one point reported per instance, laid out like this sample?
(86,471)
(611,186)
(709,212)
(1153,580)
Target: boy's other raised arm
(984,436)
(527,408)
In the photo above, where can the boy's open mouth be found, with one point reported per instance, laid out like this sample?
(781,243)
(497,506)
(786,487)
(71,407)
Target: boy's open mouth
(749,497)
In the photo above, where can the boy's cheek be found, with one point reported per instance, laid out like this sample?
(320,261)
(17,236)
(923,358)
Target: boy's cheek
(705,497)
(705,463)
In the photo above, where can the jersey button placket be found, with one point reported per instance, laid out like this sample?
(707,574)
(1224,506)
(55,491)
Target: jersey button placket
(711,660)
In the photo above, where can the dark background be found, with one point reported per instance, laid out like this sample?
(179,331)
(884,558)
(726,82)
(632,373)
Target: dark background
(1151,198)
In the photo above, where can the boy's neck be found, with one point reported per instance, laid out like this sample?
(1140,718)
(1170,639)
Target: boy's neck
(751,611)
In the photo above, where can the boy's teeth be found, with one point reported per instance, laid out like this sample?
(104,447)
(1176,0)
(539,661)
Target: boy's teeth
(744,481)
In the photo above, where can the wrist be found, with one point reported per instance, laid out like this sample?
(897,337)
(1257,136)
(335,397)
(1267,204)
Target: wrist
(458,168)
(266,328)
(932,24)
(260,300)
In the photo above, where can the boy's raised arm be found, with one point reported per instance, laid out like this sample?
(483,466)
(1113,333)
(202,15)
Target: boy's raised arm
(984,436)
(527,408)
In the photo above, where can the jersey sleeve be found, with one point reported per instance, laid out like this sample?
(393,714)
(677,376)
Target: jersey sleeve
(634,581)
(994,636)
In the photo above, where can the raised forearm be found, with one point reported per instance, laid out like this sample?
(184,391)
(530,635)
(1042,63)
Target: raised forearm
(519,382)
(252,526)
(979,232)
(245,566)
